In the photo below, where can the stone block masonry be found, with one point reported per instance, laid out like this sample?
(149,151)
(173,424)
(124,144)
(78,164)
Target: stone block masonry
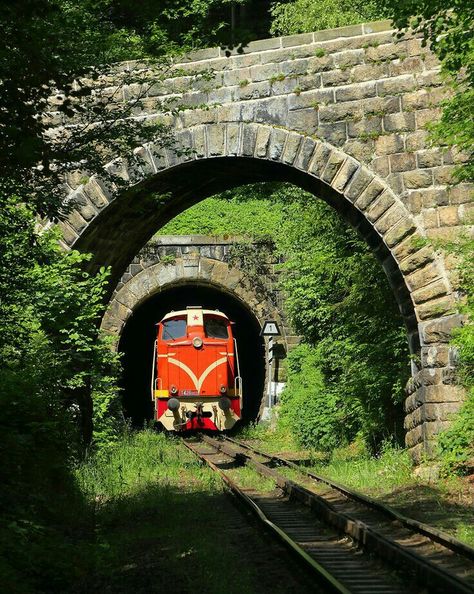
(168,260)
(343,113)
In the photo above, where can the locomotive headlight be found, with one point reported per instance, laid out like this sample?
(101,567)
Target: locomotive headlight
(224,403)
(174,390)
(223,389)
(197,342)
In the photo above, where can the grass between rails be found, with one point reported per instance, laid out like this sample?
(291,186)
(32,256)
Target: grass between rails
(164,524)
(270,439)
(389,477)
(248,478)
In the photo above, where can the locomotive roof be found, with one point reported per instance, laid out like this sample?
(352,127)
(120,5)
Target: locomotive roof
(184,312)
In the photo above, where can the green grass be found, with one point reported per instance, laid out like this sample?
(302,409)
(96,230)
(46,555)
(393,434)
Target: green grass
(389,477)
(377,475)
(141,460)
(465,532)
(248,478)
(163,522)
(269,439)
(351,465)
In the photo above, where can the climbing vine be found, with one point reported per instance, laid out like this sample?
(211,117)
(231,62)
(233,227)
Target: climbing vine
(255,258)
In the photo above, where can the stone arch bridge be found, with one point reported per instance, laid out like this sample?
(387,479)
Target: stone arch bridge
(341,113)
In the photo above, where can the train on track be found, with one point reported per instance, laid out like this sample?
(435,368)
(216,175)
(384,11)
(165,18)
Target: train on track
(196,381)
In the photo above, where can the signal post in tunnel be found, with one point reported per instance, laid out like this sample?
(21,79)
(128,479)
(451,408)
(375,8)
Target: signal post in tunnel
(270,331)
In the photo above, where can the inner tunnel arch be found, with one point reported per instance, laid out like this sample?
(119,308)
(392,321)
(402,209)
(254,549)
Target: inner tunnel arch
(139,332)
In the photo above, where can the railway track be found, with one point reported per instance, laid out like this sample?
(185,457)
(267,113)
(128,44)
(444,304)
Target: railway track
(353,543)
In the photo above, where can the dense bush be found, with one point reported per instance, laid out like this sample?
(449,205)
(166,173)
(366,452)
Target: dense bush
(312,414)
(457,444)
(340,302)
(51,361)
(247,211)
(301,16)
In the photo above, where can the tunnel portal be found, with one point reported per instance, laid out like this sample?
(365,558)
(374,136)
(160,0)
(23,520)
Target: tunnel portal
(136,346)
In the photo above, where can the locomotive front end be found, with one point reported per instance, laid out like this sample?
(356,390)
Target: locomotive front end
(196,382)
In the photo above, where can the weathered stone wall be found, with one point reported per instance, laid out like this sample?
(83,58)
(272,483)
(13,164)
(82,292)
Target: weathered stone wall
(192,259)
(342,113)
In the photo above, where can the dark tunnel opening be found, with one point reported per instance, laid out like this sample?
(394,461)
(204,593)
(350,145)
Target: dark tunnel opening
(136,346)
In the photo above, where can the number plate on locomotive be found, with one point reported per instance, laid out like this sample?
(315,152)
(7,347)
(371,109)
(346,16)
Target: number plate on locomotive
(189,392)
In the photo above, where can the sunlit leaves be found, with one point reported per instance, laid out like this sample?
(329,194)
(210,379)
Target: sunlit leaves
(301,16)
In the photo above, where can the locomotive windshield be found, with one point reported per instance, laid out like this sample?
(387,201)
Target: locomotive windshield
(174,328)
(215,328)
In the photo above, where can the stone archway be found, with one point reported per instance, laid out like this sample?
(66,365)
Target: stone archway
(192,270)
(221,152)
(341,113)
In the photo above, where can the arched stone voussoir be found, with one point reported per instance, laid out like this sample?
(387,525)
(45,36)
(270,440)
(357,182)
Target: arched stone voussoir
(140,285)
(82,204)
(161,276)
(349,180)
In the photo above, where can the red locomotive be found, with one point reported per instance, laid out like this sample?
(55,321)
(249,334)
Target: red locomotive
(196,381)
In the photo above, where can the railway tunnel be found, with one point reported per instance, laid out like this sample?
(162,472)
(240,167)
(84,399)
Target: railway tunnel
(348,127)
(136,346)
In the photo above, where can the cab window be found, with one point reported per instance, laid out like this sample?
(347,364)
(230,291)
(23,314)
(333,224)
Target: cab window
(174,328)
(215,328)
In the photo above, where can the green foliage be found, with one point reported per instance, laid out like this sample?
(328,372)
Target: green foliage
(55,56)
(457,443)
(343,307)
(456,129)
(246,211)
(312,414)
(249,478)
(274,437)
(301,16)
(50,360)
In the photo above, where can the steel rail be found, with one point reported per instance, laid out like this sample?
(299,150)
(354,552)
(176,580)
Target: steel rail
(434,534)
(427,573)
(324,575)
